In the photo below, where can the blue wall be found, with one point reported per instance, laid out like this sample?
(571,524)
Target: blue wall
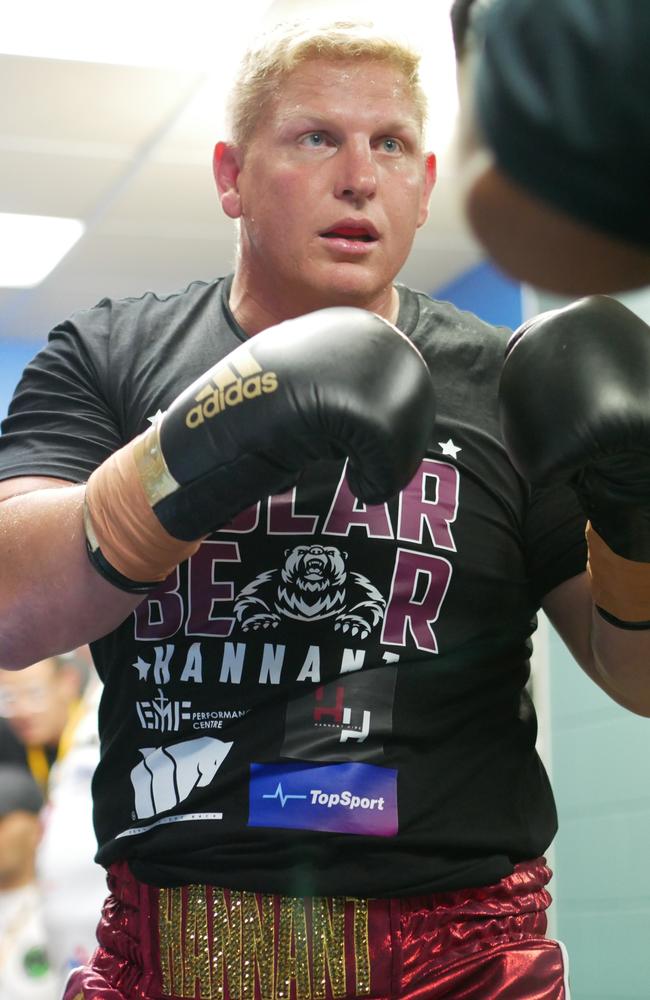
(486,292)
(14,355)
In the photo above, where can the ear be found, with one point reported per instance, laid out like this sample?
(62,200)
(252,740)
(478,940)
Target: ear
(430,175)
(226,167)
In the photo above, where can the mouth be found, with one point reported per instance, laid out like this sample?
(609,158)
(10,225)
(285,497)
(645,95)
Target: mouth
(351,233)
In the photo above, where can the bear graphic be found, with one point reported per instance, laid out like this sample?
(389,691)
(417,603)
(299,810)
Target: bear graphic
(312,584)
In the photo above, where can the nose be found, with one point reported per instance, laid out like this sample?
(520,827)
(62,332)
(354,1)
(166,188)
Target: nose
(356,179)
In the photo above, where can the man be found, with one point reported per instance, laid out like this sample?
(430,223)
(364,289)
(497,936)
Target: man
(555,138)
(25,972)
(50,713)
(318,774)
(38,704)
(73,886)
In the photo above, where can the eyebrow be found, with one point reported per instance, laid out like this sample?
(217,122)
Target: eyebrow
(317,122)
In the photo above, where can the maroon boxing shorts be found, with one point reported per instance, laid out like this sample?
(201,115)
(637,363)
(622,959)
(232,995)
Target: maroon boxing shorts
(204,943)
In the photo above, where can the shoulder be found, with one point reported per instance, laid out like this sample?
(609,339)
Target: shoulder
(149,306)
(438,325)
(119,332)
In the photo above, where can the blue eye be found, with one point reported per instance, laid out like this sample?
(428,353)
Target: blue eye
(391,145)
(315,139)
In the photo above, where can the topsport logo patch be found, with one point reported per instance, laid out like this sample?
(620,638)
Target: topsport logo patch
(340,798)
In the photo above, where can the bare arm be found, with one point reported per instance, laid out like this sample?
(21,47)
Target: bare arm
(51,598)
(616,659)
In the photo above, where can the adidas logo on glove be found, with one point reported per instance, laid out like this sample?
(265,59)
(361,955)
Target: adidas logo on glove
(230,385)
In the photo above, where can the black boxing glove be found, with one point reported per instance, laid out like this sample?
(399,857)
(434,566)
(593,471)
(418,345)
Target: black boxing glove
(575,407)
(337,382)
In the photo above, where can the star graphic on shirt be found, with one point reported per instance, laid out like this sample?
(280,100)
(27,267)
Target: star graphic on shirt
(154,419)
(142,667)
(449,448)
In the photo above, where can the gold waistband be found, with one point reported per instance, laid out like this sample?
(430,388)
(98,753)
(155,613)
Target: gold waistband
(226,941)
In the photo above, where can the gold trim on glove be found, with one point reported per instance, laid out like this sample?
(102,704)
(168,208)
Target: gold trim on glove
(157,480)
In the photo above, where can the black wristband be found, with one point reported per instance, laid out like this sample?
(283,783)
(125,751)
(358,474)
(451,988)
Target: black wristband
(104,568)
(630,626)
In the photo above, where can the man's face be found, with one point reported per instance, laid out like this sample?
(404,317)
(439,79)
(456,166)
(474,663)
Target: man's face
(37,700)
(332,186)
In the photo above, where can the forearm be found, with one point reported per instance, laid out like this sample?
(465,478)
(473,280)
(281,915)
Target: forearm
(617,660)
(620,630)
(51,598)
(622,659)
(573,401)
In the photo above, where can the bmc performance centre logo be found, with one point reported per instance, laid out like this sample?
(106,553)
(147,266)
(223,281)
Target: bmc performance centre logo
(340,798)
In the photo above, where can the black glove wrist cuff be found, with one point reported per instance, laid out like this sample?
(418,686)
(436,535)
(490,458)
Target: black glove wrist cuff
(612,620)
(104,568)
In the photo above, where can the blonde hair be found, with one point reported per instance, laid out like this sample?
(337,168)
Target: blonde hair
(279,51)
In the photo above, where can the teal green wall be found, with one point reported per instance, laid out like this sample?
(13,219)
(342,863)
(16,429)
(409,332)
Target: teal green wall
(601,776)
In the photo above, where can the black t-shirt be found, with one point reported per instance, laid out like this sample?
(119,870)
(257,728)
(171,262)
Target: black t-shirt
(328,698)
(562,96)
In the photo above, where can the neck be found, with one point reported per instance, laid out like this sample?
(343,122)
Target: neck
(255,311)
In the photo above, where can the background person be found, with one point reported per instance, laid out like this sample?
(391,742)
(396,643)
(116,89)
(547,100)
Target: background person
(39,705)
(50,725)
(25,972)
(72,885)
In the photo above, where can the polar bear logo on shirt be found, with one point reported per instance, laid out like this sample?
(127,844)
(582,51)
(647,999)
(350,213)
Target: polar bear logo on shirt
(313,583)
(166,775)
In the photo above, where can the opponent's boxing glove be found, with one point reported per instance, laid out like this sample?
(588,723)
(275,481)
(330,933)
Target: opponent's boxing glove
(467,18)
(575,406)
(337,382)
